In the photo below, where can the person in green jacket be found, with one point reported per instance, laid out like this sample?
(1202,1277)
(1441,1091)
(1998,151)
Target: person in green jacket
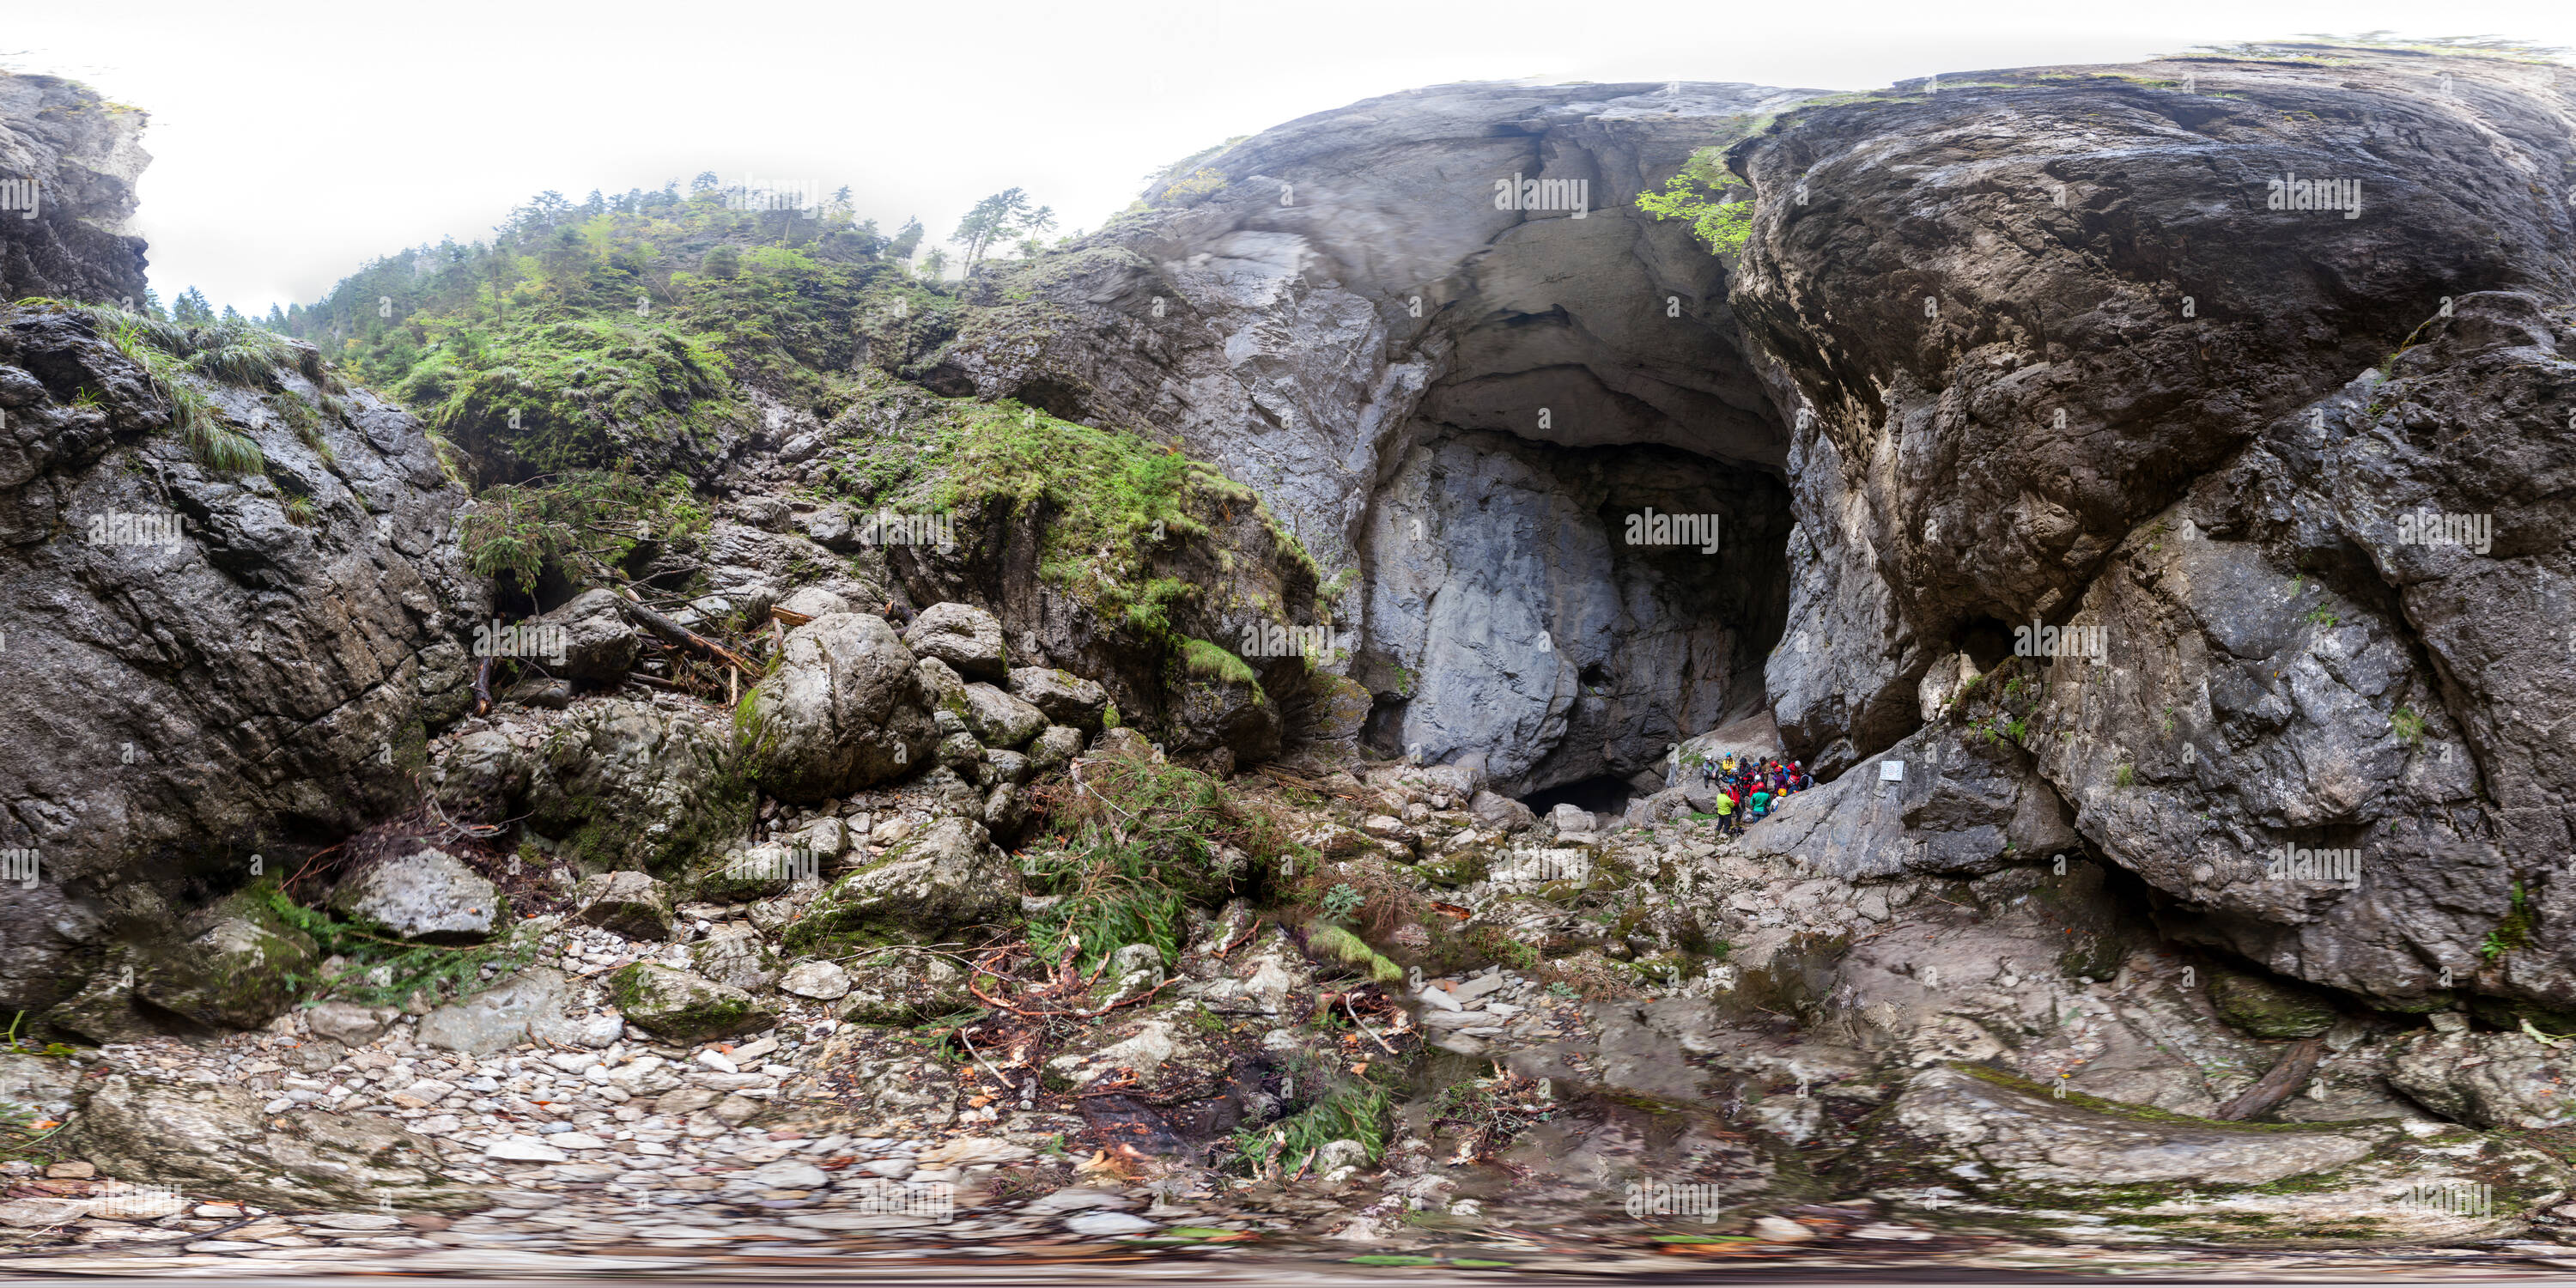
(1758,804)
(1725,808)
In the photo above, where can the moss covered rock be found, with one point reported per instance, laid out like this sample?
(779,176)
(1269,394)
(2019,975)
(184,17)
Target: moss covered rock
(2269,1008)
(628,903)
(685,1006)
(947,877)
(631,785)
(240,967)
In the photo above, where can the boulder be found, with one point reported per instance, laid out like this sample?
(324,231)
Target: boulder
(1006,814)
(1066,699)
(764,871)
(830,528)
(683,1006)
(497,1018)
(349,1023)
(946,877)
(962,635)
(428,895)
(600,646)
(1568,819)
(735,955)
(215,1141)
(480,774)
(239,967)
(631,785)
(42,1083)
(903,986)
(811,602)
(1967,803)
(627,903)
(841,712)
(821,980)
(2269,1008)
(1054,749)
(999,720)
(1501,812)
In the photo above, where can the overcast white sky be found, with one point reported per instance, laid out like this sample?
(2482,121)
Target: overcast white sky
(293,141)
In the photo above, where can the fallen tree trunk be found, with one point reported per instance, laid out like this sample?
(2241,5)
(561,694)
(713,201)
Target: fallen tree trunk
(681,636)
(2280,1084)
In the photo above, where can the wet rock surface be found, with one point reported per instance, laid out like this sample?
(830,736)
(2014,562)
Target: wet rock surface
(805,924)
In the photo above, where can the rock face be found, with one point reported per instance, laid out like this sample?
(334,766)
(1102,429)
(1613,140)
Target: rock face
(82,155)
(842,711)
(1935,470)
(239,677)
(1524,630)
(2132,414)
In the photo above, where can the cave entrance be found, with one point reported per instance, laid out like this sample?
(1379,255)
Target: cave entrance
(1602,794)
(1600,567)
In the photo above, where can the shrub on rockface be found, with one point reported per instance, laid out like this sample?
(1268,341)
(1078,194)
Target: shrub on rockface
(1138,843)
(576,393)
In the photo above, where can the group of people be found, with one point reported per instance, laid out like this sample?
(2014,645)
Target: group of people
(1747,789)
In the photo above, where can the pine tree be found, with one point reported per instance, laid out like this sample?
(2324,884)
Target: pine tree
(906,240)
(192,308)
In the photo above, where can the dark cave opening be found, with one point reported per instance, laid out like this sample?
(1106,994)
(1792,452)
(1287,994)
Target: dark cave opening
(1604,794)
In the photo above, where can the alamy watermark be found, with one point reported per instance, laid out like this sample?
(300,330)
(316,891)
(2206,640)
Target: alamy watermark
(117,528)
(2452,1198)
(2087,642)
(2473,532)
(1650,528)
(21,195)
(800,195)
(125,1199)
(1270,639)
(1517,193)
(18,866)
(2291,863)
(1533,866)
(935,1202)
(775,863)
(886,528)
(546,640)
(1659,1198)
(2290,192)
